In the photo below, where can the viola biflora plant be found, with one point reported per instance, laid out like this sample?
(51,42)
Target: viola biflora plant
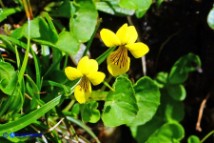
(43,91)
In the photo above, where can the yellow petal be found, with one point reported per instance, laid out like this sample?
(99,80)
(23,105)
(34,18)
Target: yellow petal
(96,77)
(121,33)
(118,62)
(82,91)
(138,49)
(72,73)
(109,38)
(127,34)
(132,34)
(87,66)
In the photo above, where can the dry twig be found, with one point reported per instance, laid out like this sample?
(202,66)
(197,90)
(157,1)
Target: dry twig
(200,113)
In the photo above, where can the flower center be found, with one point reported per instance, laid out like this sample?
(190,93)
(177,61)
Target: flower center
(119,57)
(85,84)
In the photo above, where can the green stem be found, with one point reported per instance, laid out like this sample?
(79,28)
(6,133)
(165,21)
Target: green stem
(107,85)
(207,136)
(68,107)
(37,70)
(25,61)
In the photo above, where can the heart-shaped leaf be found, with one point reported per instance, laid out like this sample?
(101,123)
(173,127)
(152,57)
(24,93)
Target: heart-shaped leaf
(120,106)
(148,99)
(169,132)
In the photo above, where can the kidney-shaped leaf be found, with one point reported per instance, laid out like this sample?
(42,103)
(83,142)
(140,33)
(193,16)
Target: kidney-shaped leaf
(148,99)
(83,22)
(167,133)
(120,106)
(182,67)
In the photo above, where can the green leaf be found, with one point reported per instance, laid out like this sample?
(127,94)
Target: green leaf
(161,79)
(68,43)
(89,112)
(13,40)
(112,7)
(168,133)
(193,139)
(210,18)
(140,6)
(148,99)
(75,110)
(170,109)
(143,132)
(174,110)
(143,7)
(9,86)
(83,22)
(130,4)
(176,91)
(8,78)
(183,67)
(66,9)
(18,32)
(159,2)
(51,27)
(40,29)
(5,12)
(16,103)
(30,118)
(120,106)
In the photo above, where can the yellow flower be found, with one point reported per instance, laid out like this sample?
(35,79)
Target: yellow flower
(118,61)
(87,70)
